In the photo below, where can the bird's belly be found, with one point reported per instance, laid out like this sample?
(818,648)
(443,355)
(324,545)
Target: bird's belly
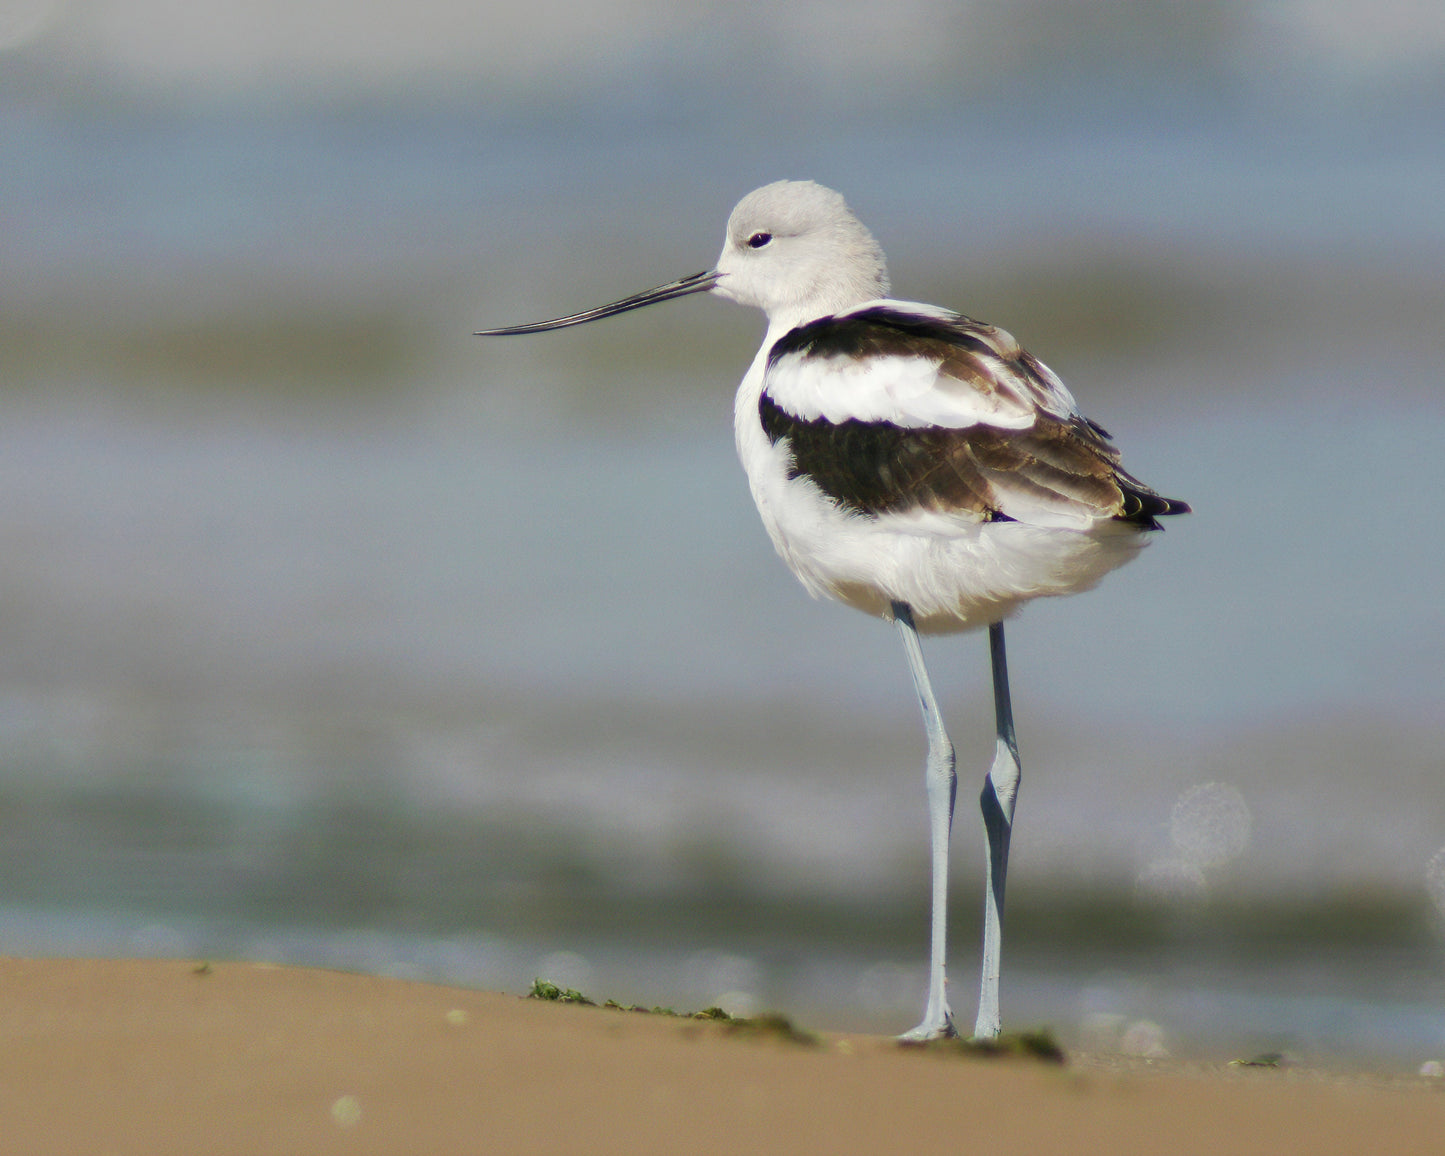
(955,572)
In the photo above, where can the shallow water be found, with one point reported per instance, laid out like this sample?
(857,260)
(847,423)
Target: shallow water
(333,635)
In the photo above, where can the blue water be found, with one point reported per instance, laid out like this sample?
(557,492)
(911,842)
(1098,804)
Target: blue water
(523,587)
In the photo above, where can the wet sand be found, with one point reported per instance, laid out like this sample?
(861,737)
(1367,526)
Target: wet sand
(160,1056)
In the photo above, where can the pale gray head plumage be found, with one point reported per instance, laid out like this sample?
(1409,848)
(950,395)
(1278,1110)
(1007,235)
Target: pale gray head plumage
(796,251)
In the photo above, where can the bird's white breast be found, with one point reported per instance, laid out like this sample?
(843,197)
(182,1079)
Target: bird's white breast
(957,572)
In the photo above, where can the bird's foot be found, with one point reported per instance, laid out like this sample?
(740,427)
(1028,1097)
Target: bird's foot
(932,1028)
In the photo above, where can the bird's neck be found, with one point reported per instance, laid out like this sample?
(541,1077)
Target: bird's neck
(784,319)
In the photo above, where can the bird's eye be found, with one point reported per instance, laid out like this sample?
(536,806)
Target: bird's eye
(758,240)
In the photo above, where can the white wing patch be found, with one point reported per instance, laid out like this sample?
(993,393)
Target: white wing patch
(913,391)
(905,391)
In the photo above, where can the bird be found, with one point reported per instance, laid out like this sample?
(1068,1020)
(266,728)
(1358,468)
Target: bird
(917,465)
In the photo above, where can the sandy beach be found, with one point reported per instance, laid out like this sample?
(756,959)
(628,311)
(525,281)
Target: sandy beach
(173,1056)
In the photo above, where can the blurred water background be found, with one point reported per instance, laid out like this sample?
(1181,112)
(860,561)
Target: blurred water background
(330,634)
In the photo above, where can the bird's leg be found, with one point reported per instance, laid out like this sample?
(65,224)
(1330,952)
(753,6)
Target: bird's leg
(1000,790)
(939,774)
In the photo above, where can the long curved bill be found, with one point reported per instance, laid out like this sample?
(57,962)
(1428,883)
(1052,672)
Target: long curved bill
(697,283)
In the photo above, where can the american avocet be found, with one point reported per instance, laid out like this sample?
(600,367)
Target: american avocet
(915,464)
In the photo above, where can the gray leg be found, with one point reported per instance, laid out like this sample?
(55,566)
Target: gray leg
(937,1019)
(1000,790)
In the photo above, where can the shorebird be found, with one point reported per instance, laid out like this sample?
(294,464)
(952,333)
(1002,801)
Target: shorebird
(920,466)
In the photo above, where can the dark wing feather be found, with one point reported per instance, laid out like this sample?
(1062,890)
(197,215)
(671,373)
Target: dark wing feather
(1063,468)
